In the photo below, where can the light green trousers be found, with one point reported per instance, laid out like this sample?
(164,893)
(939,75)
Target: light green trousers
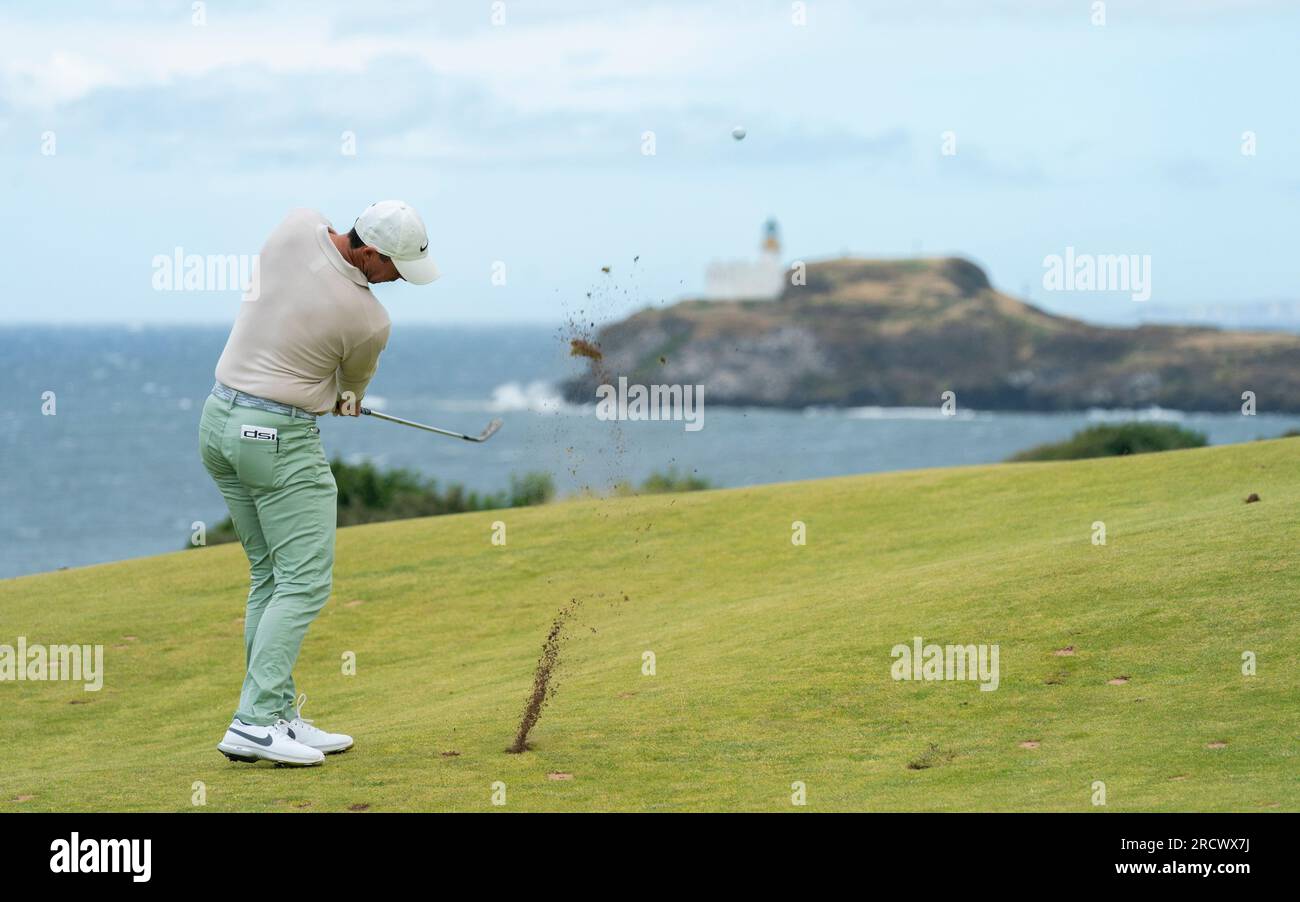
(281,496)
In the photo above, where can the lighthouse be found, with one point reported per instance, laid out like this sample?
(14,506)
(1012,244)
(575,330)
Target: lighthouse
(771,246)
(755,280)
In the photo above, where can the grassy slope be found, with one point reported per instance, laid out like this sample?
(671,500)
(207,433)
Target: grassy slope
(773,660)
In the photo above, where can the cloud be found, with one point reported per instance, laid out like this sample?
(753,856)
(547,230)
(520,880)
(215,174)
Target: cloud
(571,62)
(582,84)
(977,166)
(570,80)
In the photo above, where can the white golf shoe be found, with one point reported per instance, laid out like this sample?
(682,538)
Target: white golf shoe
(248,742)
(314,737)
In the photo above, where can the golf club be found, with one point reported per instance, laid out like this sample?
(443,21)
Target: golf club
(483,436)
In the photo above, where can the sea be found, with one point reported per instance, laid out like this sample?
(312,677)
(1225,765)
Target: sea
(99,432)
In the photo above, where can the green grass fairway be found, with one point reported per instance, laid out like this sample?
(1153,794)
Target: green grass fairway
(773,661)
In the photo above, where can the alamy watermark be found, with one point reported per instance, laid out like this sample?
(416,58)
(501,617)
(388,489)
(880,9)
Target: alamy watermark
(978,663)
(1098,272)
(103,856)
(39,663)
(180,271)
(653,402)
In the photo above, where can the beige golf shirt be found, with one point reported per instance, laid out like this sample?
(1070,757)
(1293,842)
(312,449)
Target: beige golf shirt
(309,327)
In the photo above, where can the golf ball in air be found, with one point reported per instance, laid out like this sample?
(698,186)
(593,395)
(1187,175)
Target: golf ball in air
(738,133)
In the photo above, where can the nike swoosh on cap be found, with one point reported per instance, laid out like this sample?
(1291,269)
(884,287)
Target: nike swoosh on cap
(266,740)
(425,248)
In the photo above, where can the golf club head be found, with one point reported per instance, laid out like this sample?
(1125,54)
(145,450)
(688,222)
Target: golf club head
(489,431)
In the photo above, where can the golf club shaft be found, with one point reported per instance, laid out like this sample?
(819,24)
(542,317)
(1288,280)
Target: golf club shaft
(447,432)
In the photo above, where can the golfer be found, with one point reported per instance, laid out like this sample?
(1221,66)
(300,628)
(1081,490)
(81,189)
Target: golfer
(306,342)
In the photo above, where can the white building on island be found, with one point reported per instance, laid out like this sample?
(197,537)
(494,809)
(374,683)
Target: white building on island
(761,279)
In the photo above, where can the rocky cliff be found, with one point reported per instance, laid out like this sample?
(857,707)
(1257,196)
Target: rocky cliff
(900,333)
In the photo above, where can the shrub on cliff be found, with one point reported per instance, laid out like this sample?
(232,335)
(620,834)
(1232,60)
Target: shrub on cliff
(1115,439)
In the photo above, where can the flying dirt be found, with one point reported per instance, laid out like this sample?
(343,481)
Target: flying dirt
(543,678)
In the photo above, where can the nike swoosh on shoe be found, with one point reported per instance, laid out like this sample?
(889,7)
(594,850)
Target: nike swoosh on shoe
(267,740)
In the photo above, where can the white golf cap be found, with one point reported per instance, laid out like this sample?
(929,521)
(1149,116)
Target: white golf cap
(397,231)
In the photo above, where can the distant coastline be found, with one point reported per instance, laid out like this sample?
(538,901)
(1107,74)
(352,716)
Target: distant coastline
(901,333)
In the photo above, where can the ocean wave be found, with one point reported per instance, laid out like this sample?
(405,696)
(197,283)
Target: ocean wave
(1141,414)
(1092,414)
(906,413)
(534,397)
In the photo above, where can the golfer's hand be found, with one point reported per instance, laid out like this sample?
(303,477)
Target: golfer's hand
(347,406)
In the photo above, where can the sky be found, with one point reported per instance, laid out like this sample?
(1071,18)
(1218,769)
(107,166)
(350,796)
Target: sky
(518,130)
